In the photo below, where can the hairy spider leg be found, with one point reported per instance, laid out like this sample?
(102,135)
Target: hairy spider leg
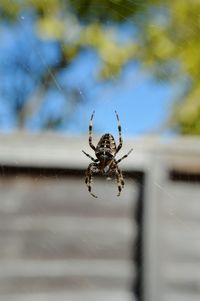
(90,132)
(93,159)
(120,133)
(114,169)
(120,180)
(125,156)
(88,178)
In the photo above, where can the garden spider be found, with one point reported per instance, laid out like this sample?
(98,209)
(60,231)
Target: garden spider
(105,162)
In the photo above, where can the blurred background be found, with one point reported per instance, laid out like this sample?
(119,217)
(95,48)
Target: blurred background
(59,61)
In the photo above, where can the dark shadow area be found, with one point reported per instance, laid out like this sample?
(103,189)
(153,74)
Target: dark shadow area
(137,248)
(184,176)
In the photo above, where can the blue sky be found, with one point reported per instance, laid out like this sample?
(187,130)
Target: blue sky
(142,103)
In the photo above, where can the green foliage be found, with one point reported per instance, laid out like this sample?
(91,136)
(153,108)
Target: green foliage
(170,48)
(167,40)
(105,10)
(79,24)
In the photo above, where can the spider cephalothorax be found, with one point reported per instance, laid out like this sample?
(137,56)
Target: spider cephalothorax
(105,161)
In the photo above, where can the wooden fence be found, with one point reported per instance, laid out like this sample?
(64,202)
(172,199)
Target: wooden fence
(59,243)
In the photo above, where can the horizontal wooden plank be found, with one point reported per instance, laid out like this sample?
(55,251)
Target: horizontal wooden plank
(37,276)
(80,295)
(182,277)
(180,204)
(41,248)
(48,268)
(54,237)
(113,225)
(180,296)
(19,196)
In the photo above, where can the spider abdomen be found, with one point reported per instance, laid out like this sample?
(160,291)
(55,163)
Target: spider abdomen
(106,146)
(107,141)
(105,150)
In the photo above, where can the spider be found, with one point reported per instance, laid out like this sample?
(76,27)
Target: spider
(105,162)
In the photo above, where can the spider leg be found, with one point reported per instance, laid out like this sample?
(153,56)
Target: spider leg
(125,156)
(95,160)
(120,180)
(88,178)
(90,132)
(114,169)
(120,133)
